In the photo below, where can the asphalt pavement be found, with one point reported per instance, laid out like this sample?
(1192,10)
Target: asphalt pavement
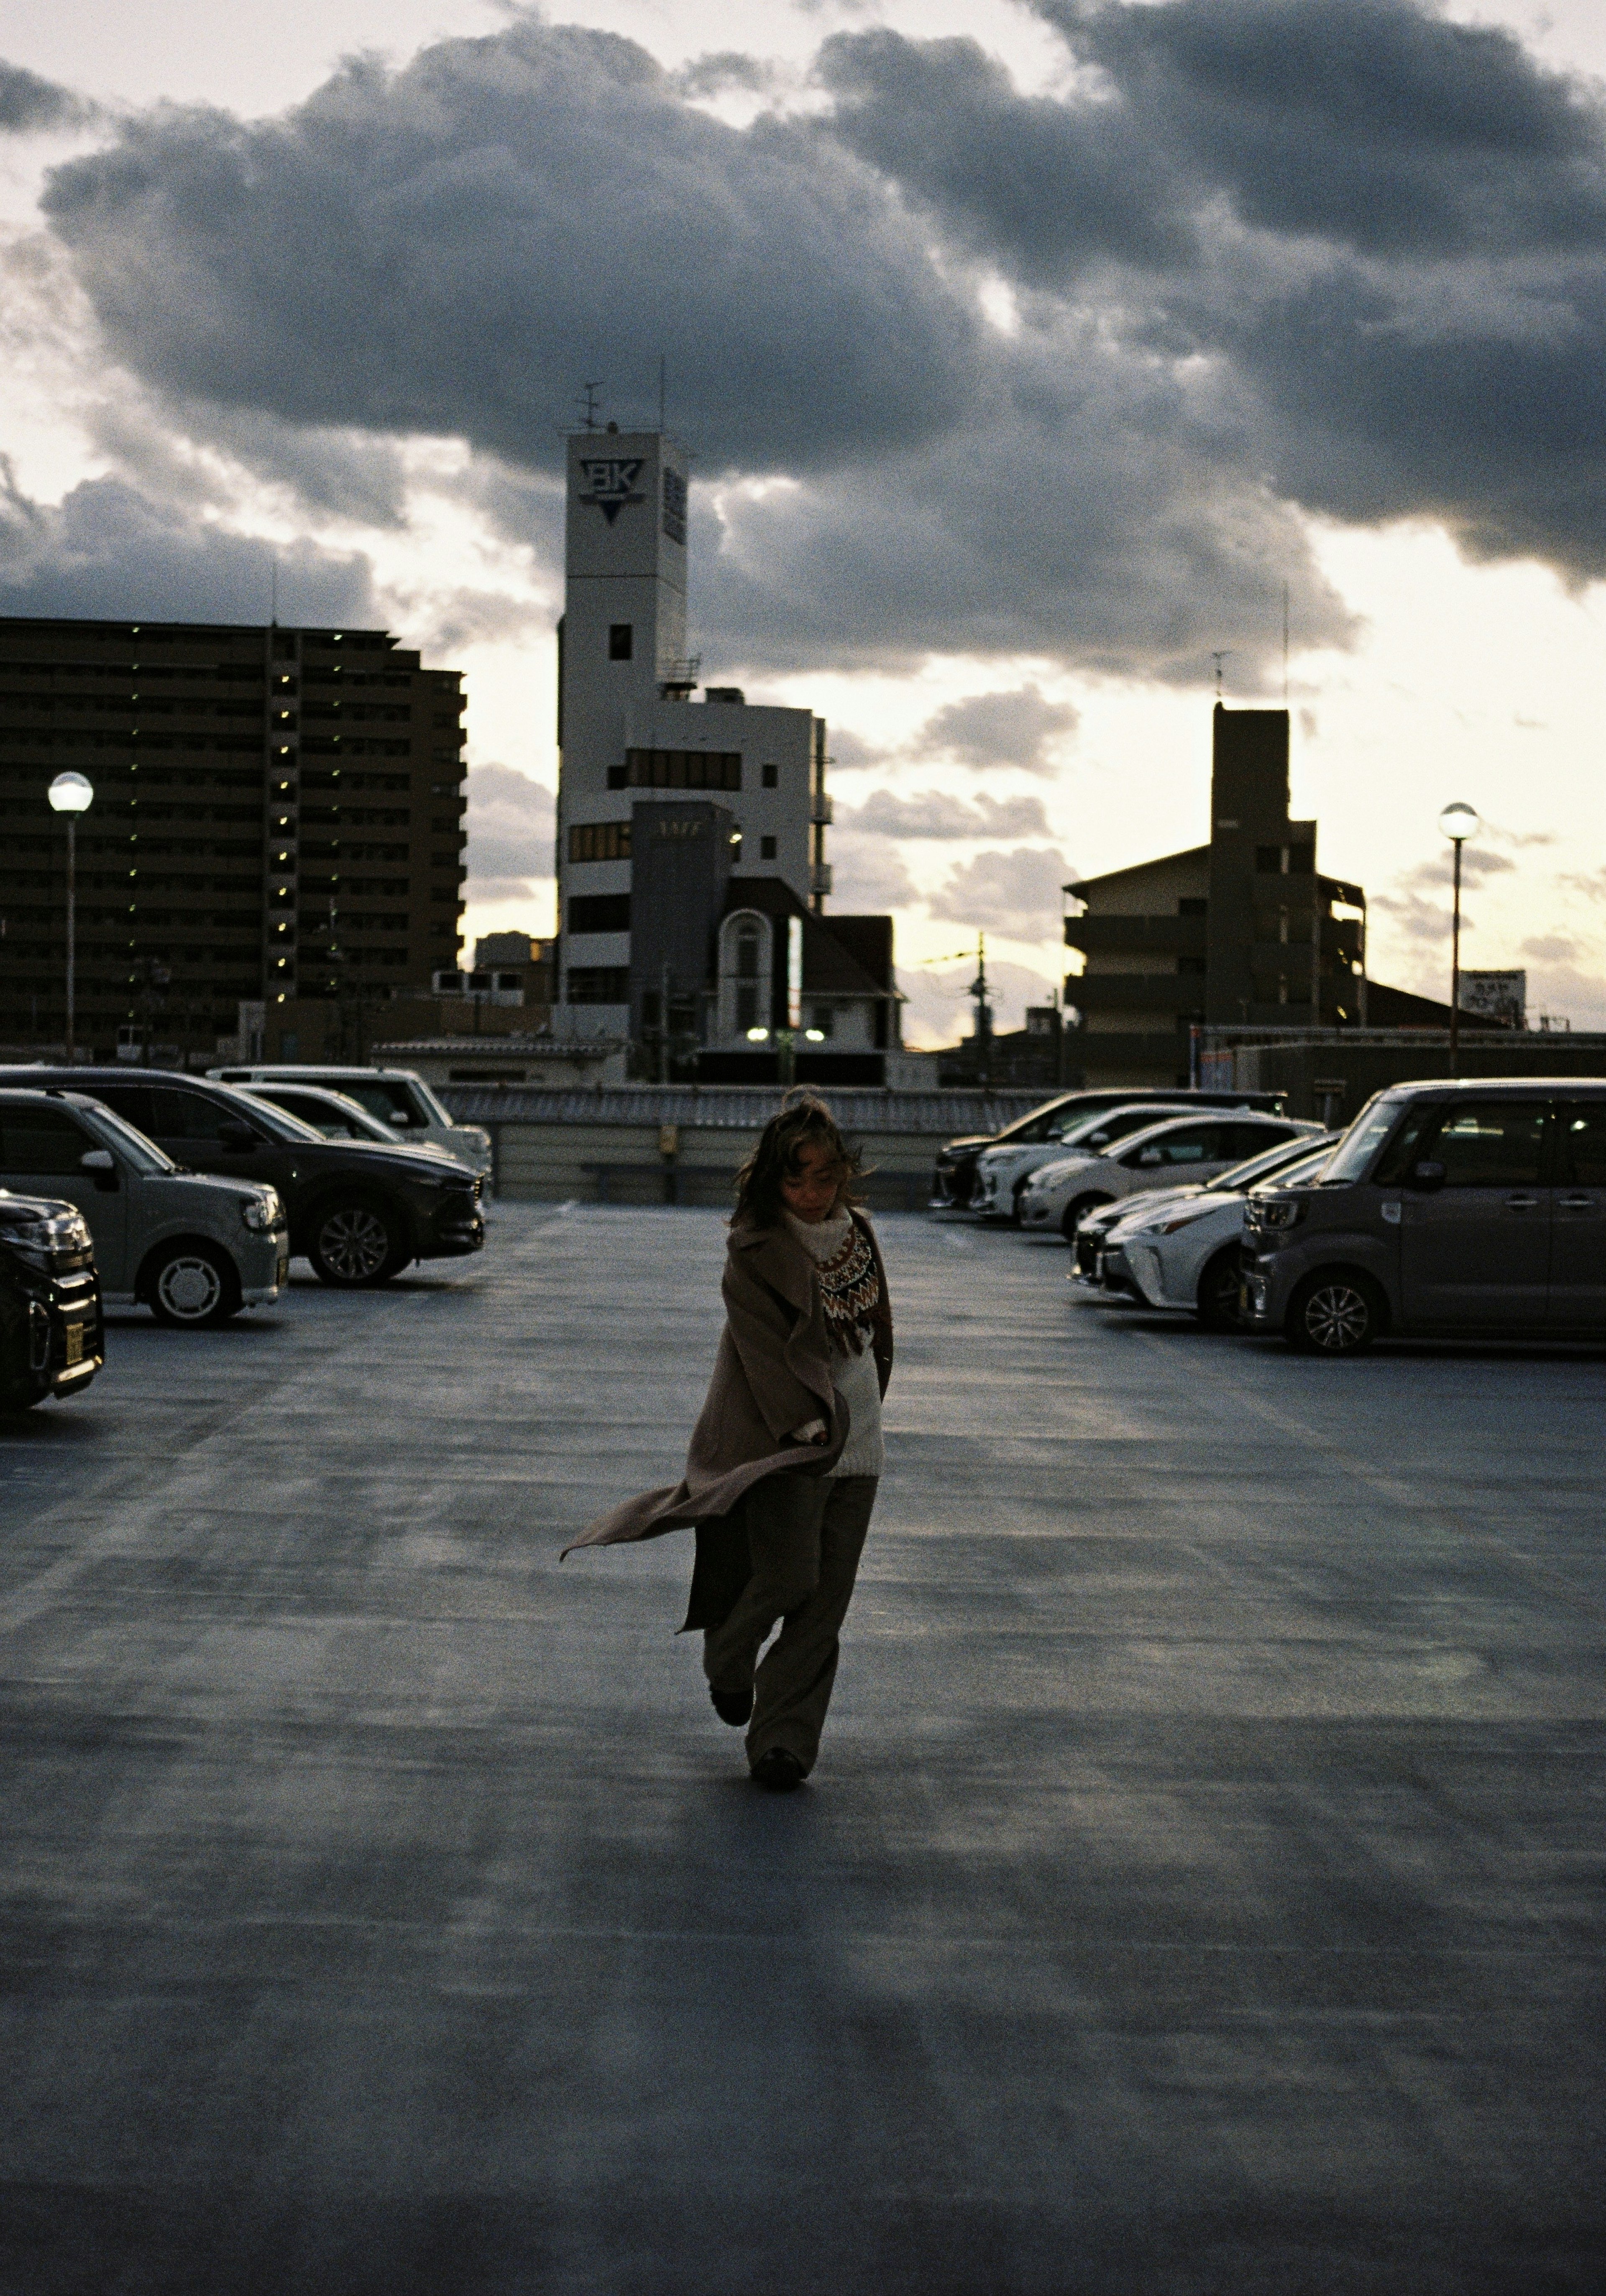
(1199,1893)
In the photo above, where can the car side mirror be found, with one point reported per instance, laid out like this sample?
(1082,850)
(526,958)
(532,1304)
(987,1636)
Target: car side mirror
(103,1165)
(233,1132)
(1098,1140)
(1427,1177)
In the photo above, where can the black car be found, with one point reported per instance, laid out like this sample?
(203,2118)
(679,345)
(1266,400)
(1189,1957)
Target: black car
(52,1336)
(953,1176)
(360,1210)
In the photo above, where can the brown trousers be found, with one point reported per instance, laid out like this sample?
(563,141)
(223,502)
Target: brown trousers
(805,1534)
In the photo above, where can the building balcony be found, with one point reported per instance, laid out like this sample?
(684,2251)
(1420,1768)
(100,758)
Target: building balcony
(822,812)
(1138,992)
(820,877)
(1136,936)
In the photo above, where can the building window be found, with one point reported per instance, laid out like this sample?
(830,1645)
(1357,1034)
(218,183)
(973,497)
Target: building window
(622,638)
(744,973)
(824,1018)
(1190,965)
(771,777)
(766,849)
(600,840)
(746,1005)
(746,952)
(679,770)
(1193,905)
(599,984)
(593,913)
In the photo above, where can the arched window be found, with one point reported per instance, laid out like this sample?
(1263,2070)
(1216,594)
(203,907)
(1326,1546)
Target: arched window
(744,973)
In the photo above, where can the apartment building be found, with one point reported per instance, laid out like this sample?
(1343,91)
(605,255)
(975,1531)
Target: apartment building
(277,831)
(1241,931)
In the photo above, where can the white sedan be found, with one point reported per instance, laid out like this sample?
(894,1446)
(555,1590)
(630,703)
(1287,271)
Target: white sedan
(1184,1255)
(1001,1172)
(1180,1148)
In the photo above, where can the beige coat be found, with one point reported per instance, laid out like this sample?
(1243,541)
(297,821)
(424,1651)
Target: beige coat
(772,1373)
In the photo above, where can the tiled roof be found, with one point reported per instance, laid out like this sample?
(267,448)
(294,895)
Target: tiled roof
(744,1107)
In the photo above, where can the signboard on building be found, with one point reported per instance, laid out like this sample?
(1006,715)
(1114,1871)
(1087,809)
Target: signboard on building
(1498,997)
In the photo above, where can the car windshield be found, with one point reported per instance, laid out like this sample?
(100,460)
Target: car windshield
(1362,1142)
(143,1154)
(1302,1169)
(276,1120)
(1115,1124)
(1287,1154)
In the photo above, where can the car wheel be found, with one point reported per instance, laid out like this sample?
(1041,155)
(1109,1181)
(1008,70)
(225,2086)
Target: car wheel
(1218,1292)
(1078,1210)
(1334,1314)
(356,1242)
(192,1286)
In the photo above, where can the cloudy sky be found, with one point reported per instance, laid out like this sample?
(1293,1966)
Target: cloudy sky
(1030,356)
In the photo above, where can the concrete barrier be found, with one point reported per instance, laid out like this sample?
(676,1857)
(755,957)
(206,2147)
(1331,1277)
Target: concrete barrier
(679,1144)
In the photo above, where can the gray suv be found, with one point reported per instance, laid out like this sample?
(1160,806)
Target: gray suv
(1475,1208)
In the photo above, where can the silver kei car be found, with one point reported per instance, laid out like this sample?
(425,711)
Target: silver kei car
(195,1249)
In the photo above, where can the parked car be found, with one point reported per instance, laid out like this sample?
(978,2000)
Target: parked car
(194,1250)
(953,1176)
(1470,1208)
(52,1336)
(360,1210)
(1177,1149)
(1187,1256)
(396,1096)
(334,1115)
(1094,1228)
(1002,1172)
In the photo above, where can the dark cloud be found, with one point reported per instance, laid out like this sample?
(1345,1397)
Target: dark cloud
(933,813)
(1553,948)
(999,729)
(108,552)
(28,105)
(512,821)
(869,875)
(449,247)
(1017,894)
(1269,257)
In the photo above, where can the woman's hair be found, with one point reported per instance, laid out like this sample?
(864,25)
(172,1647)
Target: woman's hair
(804,1122)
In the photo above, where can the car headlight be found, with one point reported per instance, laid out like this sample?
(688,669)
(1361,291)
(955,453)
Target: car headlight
(43,1242)
(1179,1220)
(262,1214)
(1286,1212)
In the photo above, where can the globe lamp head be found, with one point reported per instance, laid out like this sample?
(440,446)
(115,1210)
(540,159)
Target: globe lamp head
(71,793)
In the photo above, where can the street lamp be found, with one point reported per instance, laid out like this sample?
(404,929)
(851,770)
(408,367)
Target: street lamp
(72,795)
(1459,822)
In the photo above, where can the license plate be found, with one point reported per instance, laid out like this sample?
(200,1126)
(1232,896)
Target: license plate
(283,1269)
(75,1344)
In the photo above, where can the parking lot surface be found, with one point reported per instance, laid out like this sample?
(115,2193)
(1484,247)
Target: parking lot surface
(1200,1888)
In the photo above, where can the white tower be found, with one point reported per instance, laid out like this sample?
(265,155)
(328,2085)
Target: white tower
(629,730)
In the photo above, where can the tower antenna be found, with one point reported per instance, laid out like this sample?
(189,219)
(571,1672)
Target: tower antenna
(1285,645)
(1221,654)
(273,617)
(589,413)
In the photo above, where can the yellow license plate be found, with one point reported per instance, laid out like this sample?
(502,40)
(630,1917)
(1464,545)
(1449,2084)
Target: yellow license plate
(75,1344)
(283,1268)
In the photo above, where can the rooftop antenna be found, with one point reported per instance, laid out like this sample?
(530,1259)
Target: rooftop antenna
(662,387)
(273,615)
(1285,645)
(1222,653)
(589,415)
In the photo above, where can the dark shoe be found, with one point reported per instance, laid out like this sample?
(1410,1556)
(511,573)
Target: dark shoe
(778,1770)
(733,1706)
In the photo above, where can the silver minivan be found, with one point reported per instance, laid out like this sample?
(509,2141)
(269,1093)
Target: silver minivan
(195,1250)
(399,1097)
(1474,1208)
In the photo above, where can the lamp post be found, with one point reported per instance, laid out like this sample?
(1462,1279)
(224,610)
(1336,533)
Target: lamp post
(1459,822)
(72,795)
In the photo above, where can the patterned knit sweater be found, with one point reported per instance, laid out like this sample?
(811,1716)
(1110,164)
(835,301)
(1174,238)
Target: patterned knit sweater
(849,1293)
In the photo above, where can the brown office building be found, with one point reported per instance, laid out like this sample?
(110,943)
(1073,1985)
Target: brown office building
(1243,931)
(277,822)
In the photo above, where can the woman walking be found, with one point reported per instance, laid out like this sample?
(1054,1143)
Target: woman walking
(784,1461)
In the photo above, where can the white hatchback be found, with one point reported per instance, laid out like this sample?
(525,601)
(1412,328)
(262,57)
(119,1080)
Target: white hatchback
(1180,1148)
(399,1097)
(1183,1255)
(1002,1172)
